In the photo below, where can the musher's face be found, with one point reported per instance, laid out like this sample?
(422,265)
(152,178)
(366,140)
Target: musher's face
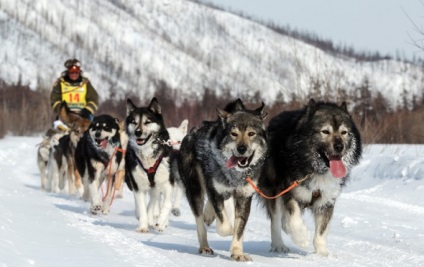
(74,73)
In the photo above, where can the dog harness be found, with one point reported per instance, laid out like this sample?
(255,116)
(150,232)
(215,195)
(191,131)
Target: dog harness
(151,172)
(293,185)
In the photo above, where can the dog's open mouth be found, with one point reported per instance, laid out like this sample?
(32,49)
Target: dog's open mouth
(101,142)
(241,162)
(337,168)
(142,141)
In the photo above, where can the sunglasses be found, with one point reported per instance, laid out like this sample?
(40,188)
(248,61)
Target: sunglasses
(74,72)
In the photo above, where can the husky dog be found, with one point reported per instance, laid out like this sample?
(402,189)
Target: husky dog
(120,177)
(50,139)
(61,165)
(214,160)
(99,156)
(147,164)
(317,146)
(176,135)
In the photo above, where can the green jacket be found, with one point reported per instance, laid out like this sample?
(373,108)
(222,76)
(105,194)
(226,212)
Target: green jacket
(91,97)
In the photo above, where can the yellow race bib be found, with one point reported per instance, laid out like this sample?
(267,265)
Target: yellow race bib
(74,95)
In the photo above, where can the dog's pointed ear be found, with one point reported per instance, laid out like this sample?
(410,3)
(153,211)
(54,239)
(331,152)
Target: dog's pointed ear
(236,105)
(130,106)
(239,105)
(311,107)
(261,112)
(312,103)
(224,115)
(344,106)
(154,106)
(184,126)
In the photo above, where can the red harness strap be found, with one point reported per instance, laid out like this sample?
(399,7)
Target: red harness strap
(293,185)
(109,180)
(151,172)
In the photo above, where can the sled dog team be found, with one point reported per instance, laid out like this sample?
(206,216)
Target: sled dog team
(301,160)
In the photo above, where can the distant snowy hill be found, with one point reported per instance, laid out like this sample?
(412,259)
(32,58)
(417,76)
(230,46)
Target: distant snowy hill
(131,46)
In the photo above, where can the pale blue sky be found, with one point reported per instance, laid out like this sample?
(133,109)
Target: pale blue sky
(367,25)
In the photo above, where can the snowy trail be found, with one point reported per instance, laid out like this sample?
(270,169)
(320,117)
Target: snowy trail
(377,222)
(379,201)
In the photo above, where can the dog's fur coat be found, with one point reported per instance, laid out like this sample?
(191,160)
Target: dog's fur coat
(50,140)
(176,135)
(320,143)
(147,164)
(99,156)
(61,164)
(214,160)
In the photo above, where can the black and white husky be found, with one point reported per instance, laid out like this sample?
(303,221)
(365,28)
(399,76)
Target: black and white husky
(147,164)
(320,144)
(100,155)
(214,161)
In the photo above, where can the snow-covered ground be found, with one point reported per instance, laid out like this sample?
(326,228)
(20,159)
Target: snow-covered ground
(378,221)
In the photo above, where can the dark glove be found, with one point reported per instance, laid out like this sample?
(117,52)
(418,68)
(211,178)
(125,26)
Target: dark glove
(86,114)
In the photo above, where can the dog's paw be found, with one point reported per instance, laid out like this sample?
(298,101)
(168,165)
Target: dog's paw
(241,257)
(56,190)
(209,218)
(176,212)
(301,237)
(85,197)
(224,229)
(160,228)
(320,248)
(142,230)
(105,211)
(207,251)
(280,248)
(322,251)
(95,209)
(61,183)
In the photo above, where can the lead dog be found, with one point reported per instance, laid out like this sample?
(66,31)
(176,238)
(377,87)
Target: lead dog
(147,166)
(214,161)
(319,143)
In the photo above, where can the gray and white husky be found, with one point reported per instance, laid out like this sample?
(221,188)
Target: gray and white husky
(214,161)
(319,143)
(147,164)
(50,139)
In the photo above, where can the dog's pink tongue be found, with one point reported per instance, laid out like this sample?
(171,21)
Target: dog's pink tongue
(337,168)
(104,143)
(232,162)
